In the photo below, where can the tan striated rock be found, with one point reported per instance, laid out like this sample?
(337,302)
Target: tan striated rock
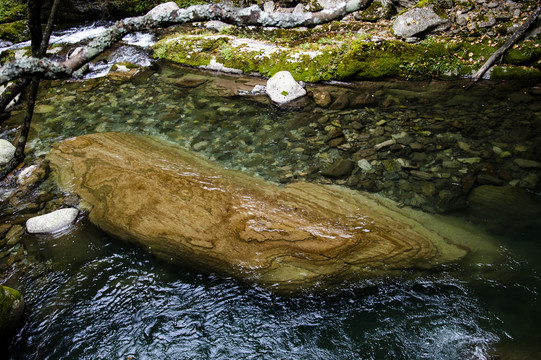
(186,209)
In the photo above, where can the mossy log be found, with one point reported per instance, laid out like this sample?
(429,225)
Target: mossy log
(186,209)
(170,13)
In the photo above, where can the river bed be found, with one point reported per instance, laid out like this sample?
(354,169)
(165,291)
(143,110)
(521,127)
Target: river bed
(91,296)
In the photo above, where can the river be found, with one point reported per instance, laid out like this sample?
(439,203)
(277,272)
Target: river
(92,296)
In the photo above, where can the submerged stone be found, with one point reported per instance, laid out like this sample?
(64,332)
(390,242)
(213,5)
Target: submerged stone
(419,21)
(186,209)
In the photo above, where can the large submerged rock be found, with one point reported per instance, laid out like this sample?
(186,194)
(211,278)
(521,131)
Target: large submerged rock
(189,210)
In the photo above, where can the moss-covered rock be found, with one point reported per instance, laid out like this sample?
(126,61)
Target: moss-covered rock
(12,10)
(11,308)
(334,51)
(16,31)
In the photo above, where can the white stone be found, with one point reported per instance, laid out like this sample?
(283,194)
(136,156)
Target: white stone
(7,151)
(418,21)
(162,11)
(283,88)
(364,165)
(216,25)
(25,173)
(51,222)
(259,89)
(384,144)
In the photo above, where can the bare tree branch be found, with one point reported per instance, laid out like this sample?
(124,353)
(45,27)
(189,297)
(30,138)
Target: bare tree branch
(513,39)
(32,66)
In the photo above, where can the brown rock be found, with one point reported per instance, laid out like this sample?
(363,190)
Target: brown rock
(191,81)
(340,103)
(362,100)
(368,154)
(337,141)
(186,209)
(339,169)
(322,98)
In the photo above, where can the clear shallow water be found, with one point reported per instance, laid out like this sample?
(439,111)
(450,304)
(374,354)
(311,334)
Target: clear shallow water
(93,297)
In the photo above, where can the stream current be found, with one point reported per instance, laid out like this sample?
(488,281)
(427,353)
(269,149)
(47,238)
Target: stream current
(91,296)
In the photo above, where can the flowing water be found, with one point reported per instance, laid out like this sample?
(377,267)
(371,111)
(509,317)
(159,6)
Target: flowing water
(91,296)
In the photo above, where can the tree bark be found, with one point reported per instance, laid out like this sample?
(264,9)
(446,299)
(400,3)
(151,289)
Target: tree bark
(513,39)
(169,13)
(40,50)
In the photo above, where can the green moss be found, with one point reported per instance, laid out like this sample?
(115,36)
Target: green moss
(514,73)
(8,297)
(322,57)
(12,10)
(15,31)
(525,53)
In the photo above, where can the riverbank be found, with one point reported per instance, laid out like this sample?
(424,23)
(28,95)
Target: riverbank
(409,40)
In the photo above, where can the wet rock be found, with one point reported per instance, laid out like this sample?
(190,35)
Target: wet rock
(367,154)
(200,145)
(191,81)
(428,189)
(11,309)
(14,234)
(282,88)
(339,169)
(322,98)
(336,142)
(486,179)
(7,151)
(141,76)
(419,21)
(529,181)
(333,133)
(415,146)
(472,160)
(528,164)
(422,175)
(51,222)
(384,144)
(32,174)
(362,100)
(340,103)
(364,165)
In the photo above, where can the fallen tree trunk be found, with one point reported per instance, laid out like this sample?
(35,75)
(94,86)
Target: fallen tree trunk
(170,13)
(510,42)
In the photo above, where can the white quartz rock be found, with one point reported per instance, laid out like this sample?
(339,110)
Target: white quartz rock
(51,222)
(282,88)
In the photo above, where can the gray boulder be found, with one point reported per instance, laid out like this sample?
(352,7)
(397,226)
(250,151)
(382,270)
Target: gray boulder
(418,22)
(283,88)
(7,150)
(51,222)
(162,11)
